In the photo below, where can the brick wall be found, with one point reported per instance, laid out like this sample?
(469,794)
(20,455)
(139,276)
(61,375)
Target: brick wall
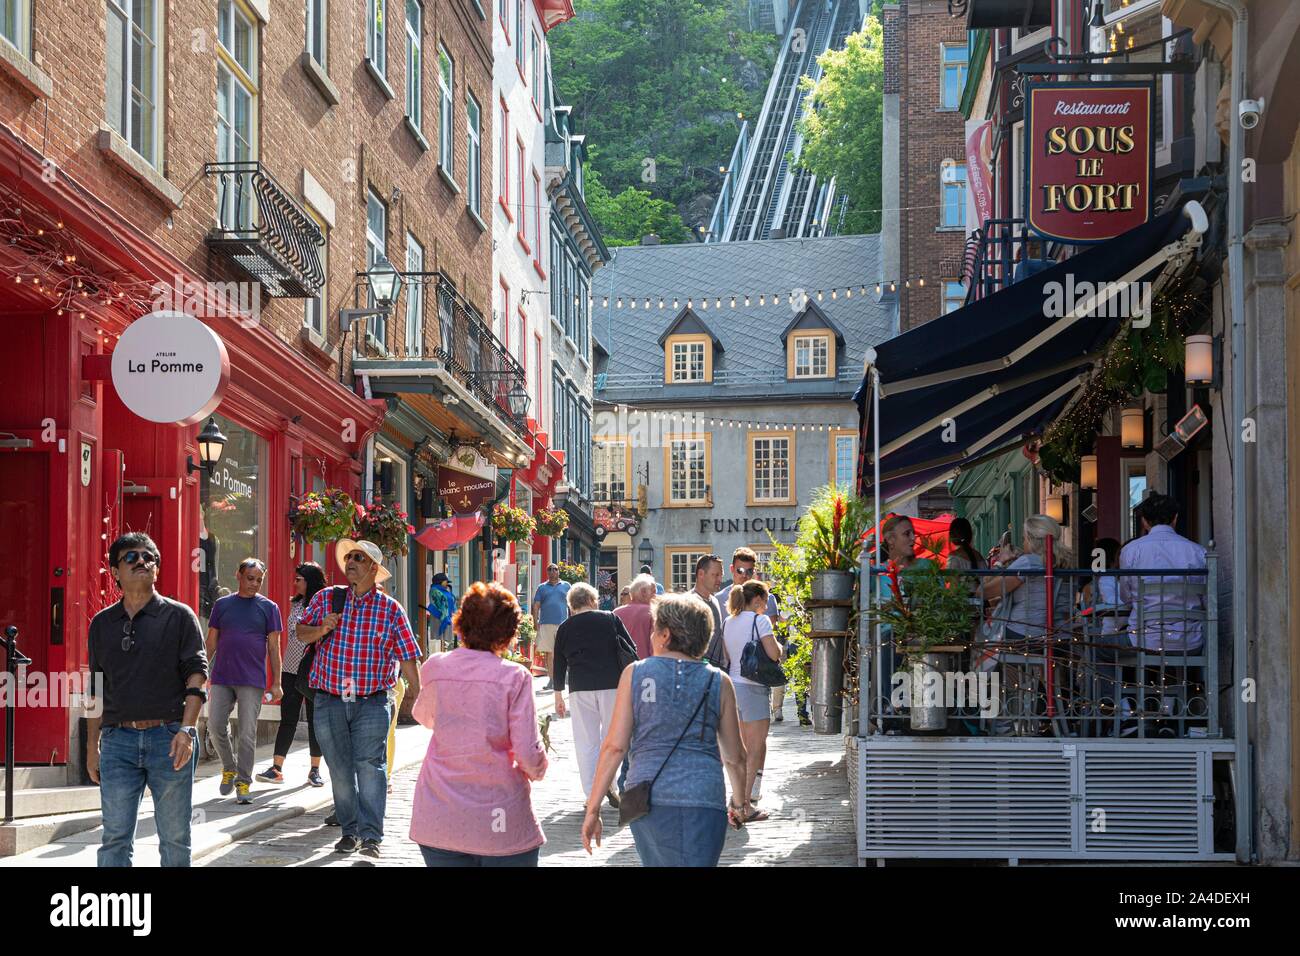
(929,135)
(361,140)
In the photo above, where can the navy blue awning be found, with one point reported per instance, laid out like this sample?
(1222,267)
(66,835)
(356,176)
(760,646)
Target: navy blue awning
(1000,368)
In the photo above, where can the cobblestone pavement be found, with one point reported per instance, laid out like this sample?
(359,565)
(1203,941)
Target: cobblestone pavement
(805,791)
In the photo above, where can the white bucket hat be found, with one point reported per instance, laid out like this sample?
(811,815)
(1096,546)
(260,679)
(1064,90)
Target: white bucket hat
(346,546)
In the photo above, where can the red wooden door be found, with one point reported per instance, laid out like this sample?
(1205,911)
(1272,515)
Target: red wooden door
(25,598)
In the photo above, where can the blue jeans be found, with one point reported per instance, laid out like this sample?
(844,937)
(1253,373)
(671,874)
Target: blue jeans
(680,836)
(353,737)
(130,760)
(436,857)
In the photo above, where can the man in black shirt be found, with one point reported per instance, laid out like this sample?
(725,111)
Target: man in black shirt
(147,671)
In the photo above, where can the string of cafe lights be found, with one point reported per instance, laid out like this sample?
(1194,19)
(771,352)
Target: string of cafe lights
(719,302)
(683,419)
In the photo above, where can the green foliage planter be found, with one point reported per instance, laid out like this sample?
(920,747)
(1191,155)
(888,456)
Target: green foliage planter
(512,524)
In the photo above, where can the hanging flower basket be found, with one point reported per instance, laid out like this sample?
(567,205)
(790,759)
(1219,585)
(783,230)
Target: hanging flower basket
(551,523)
(573,573)
(323,516)
(387,526)
(512,524)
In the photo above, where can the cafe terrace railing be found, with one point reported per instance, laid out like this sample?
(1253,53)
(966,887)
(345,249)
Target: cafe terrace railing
(1088,676)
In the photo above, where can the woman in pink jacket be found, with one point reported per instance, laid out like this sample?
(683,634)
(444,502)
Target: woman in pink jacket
(472,803)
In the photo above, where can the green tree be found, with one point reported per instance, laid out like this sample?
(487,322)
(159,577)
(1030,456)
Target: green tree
(842,124)
(633,213)
(656,86)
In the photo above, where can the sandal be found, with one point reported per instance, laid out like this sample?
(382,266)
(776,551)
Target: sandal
(755,815)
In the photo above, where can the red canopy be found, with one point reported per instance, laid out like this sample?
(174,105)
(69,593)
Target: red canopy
(450,532)
(931,537)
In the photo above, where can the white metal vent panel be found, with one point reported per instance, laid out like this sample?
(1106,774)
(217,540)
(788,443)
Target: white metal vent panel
(1152,805)
(1047,799)
(956,801)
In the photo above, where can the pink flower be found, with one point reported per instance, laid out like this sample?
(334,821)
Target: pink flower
(410,529)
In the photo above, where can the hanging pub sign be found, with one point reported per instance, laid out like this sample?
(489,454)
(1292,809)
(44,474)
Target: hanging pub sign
(1089,159)
(463,492)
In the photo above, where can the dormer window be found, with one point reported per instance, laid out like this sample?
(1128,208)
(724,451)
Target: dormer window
(688,359)
(812,343)
(690,349)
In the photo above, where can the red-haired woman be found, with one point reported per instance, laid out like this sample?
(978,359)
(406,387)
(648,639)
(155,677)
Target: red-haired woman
(472,803)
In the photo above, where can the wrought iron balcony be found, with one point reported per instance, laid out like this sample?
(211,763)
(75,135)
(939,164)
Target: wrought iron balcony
(265,232)
(997,254)
(477,358)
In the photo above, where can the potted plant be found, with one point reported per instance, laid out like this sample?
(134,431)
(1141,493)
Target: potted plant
(929,609)
(527,635)
(512,524)
(551,522)
(830,538)
(387,526)
(323,516)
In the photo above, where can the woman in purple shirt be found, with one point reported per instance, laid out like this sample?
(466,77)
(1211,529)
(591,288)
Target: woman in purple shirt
(472,804)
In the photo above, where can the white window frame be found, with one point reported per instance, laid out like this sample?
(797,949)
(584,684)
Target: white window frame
(534,67)
(474,154)
(21,12)
(151,151)
(695,466)
(609,468)
(377,35)
(944,186)
(316,308)
(414,63)
(684,560)
(837,440)
(414,297)
(810,343)
(376,325)
(956,301)
(520,50)
(945,65)
(318,11)
(1024,42)
(234,80)
(684,370)
(768,469)
(446,110)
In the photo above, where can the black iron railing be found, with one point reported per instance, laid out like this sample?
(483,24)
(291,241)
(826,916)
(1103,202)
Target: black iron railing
(476,357)
(993,253)
(265,232)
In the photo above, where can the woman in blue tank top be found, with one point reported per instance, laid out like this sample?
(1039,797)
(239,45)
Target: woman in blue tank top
(675,720)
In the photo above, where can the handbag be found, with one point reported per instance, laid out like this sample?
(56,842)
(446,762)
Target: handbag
(626,650)
(634,802)
(338,598)
(756,665)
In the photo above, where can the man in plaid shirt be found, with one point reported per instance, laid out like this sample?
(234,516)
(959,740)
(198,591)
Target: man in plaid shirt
(352,674)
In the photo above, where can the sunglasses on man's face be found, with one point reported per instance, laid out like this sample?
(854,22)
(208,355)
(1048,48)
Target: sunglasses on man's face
(358,557)
(744,572)
(147,558)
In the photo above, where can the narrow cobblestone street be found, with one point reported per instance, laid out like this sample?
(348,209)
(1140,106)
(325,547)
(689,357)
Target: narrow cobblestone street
(805,791)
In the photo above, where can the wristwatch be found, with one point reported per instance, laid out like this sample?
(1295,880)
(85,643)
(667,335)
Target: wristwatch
(191,730)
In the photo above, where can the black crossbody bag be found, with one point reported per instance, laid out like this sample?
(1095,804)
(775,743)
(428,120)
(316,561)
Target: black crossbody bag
(634,802)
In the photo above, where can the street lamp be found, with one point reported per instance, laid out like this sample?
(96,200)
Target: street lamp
(385,284)
(645,552)
(519,400)
(211,444)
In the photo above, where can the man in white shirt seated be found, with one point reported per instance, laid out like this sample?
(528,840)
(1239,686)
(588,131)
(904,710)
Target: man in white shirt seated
(1165,600)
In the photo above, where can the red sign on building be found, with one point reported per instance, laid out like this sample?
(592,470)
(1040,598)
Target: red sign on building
(1088,159)
(463,492)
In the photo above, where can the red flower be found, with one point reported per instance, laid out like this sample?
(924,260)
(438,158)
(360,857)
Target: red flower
(410,529)
(891,572)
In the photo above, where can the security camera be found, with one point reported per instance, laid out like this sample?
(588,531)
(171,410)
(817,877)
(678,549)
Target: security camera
(1248,112)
